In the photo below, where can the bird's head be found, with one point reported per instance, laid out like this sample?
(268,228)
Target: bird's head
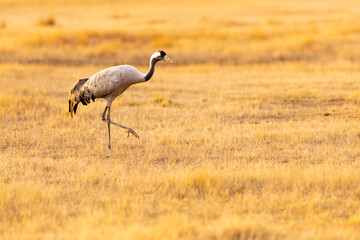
(160,56)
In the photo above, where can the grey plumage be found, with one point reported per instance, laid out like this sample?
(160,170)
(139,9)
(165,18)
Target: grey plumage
(110,83)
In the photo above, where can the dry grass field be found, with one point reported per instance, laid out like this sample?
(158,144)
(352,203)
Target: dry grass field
(252,133)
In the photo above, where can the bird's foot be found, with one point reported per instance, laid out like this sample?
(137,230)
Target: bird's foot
(129,130)
(104,119)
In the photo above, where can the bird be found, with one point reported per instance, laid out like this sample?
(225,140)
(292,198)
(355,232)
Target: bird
(108,84)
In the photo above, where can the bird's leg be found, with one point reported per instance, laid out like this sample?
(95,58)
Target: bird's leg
(129,130)
(108,122)
(103,116)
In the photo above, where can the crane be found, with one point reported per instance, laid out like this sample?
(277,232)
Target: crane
(110,83)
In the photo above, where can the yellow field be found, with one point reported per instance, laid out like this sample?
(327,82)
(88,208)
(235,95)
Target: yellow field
(252,133)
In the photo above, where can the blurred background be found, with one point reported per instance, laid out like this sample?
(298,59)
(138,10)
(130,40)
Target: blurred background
(109,32)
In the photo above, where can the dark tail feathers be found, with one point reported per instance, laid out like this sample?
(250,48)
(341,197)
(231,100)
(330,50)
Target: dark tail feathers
(79,93)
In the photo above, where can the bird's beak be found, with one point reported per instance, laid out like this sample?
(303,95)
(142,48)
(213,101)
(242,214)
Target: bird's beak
(166,58)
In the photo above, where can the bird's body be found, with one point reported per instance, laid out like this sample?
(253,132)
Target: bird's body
(110,83)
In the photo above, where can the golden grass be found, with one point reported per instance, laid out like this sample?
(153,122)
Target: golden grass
(267,155)
(253,132)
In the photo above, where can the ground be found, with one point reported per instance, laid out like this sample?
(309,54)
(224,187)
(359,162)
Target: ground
(252,133)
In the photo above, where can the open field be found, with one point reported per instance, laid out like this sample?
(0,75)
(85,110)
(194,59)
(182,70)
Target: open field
(252,133)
